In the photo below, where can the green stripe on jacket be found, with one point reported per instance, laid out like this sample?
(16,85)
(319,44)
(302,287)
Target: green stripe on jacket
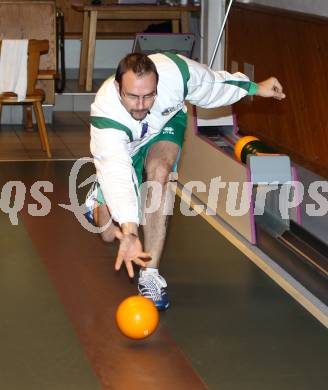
(184,70)
(248,86)
(106,123)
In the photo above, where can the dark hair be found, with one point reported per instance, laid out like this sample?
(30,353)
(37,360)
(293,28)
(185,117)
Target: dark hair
(139,63)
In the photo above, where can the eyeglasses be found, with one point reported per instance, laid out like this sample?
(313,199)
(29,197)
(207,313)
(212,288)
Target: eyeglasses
(137,98)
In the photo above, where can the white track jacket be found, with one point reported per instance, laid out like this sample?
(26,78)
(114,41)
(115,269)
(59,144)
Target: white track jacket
(115,135)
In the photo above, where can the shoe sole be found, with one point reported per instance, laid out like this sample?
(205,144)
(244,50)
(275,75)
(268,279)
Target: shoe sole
(159,308)
(163,308)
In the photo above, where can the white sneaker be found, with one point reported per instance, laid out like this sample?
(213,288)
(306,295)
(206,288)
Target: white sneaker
(152,285)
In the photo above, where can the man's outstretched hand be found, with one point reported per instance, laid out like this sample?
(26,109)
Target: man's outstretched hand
(130,251)
(270,88)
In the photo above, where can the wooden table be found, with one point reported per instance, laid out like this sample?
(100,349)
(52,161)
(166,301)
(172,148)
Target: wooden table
(93,13)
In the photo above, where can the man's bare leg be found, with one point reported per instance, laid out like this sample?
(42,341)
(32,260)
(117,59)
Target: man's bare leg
(160,160)
(102,217)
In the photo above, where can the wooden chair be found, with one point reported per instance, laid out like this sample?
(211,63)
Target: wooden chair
(34,96)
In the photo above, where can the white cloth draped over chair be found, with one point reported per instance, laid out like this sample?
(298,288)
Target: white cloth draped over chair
(13,67)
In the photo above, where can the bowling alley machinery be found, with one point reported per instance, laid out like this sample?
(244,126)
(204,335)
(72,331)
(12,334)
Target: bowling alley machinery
(245,257)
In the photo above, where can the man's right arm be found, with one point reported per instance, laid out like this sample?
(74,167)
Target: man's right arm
(115,173)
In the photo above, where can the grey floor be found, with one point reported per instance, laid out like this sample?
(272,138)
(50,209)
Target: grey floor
(39,348)
(239,329)
(316,224)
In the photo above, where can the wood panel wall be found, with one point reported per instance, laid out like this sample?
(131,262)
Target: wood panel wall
(32,20)
(293,47)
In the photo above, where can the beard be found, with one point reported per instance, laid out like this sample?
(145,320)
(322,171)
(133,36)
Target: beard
(139,115)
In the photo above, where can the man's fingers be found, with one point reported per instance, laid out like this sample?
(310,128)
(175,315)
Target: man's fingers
(277,89)
(128,263)
(279,95)
(271,88)
(129,268)
(119,261)
(145,256)
(139,262)
(278,86)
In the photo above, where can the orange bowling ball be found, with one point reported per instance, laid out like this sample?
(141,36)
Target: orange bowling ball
(241,143)
(137,317)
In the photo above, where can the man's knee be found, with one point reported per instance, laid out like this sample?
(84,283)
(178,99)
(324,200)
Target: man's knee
(102,217)
(159,171)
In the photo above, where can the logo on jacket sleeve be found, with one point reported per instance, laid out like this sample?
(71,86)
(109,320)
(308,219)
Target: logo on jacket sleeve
(169,110)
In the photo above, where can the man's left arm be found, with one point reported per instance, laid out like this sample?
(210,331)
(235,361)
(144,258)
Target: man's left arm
(208,88)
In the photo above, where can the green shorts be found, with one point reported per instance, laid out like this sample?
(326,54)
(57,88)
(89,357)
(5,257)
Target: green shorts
(173,131)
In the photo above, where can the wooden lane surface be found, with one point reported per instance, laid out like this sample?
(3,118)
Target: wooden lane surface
(81,269)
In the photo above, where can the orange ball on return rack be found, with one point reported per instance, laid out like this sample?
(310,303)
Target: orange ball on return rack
(250,145)
(239,145)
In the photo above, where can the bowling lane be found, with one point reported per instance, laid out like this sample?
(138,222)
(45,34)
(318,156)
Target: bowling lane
(229,327)
(80,267)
